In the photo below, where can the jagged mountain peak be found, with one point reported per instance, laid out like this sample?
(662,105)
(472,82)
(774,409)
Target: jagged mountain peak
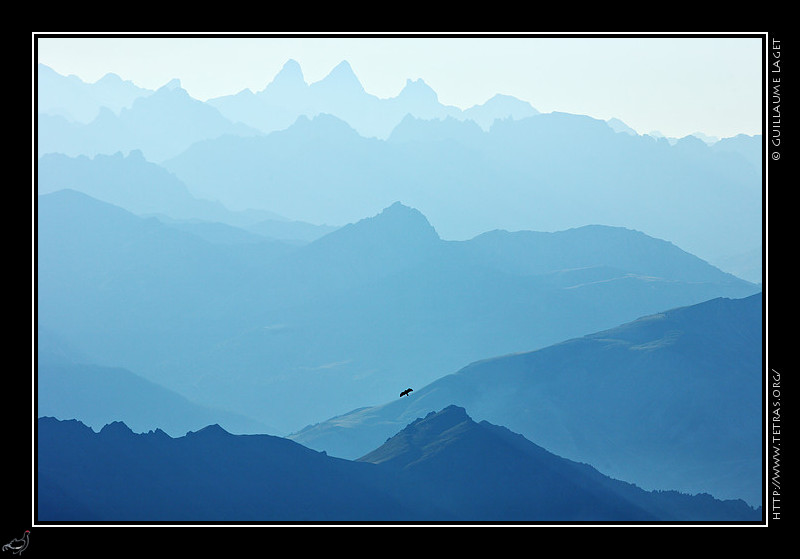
(341,77)
(399,218)
(418,88)
(393,239)
(409,444)
(290,74)
(441,421)
(116,429)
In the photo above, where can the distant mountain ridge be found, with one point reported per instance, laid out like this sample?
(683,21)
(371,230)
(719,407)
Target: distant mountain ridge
(336,322)
(591,290)
(145,188)
(467,472)
(289,96)
(77,101)
(546,172)
(276,107)
(161,125)
(341,94)
(69,386)
(567,174)
(671,400)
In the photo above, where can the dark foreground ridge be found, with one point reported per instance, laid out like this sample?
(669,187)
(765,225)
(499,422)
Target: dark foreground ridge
(440,468)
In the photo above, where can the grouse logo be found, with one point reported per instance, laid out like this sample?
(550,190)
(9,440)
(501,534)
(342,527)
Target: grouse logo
(17,546)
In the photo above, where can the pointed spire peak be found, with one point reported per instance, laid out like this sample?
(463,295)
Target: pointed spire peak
(343,67)
(342,74)
(292,65)
(291,71)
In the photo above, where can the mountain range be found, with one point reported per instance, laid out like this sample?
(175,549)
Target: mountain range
(147,189)
(546,172)
(232,296)
(161,125)
(69,386)
(671,400)
(341,321)
(440,468)
(498,165)
(280,103)
(77,101)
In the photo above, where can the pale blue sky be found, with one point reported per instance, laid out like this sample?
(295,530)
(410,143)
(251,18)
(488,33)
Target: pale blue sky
(675,85)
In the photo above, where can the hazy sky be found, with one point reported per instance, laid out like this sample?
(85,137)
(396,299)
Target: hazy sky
(674,85)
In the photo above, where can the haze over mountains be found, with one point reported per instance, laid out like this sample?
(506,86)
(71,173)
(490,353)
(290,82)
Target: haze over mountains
(147,189)
(502,163)
(250,281)
(671,400)
(251,327)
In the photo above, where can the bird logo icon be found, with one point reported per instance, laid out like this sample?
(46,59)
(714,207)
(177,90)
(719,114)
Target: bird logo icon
(17,546)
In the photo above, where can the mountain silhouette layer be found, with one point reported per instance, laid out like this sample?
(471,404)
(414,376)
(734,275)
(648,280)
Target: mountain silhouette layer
(68,386)
(161,125)
(338,322)
(147,189)
(672,400)
(76,101)
(508,167)
(545,172)
(440,468)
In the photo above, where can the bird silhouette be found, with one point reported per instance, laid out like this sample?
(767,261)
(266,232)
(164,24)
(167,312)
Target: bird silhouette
(405,392)
(17,546)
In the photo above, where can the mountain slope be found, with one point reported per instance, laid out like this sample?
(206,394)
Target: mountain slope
(161,125)
(208,475)
(483,470)
(69,386)
(468,472)
(340,93)
(77,101)
(546,172)
(145,188)
(339,322)
(671,400)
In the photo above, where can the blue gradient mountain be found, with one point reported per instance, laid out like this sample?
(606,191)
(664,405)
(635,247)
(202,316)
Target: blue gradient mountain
(147,189)
(70,386)
(671,400)
(254,328)
(341,94)
(275,107)
(99,395)
(161,125)
(546,172)
(79,102)
(443,467)
(526,171)
(474,467)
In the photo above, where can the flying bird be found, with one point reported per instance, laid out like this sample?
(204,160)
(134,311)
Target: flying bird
(405,392)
